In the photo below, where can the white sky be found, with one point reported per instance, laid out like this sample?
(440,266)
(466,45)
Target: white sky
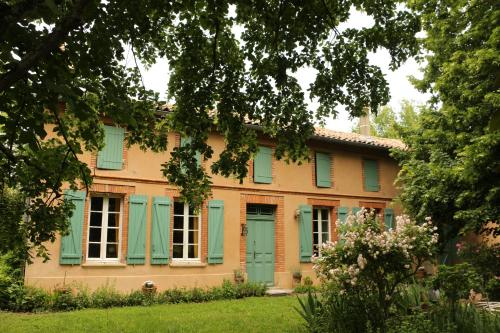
(156,78)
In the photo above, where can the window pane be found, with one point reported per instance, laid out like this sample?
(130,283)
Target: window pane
(325,237)
(178,236)
(315,226)
(96,219)
(95,235)
(324,226)
(114,204)
(324,214)
(178,208)
(251,209)
(113,219)
(178,222)
(315,238)
(94,250)
(192,251)
(193,222)
(112,251)
(315,214)
(193,237)
(112,236)
(191,210)
(177,251)
(96,203)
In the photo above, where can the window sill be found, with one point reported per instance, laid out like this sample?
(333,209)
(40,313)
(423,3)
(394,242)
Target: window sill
(104,264)
(187,264)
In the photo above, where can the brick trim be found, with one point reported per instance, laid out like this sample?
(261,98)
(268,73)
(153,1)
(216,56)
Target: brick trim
(279,227)
(124,192)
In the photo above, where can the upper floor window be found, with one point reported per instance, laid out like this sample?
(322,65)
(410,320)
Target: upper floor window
(371,175)
(321,228)
(111,155)
(104,228)
(263,166)
(186,233)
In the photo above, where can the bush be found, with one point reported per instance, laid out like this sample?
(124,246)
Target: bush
(107,297)
(457,281)
(493,289)
(364,269)
(304,288)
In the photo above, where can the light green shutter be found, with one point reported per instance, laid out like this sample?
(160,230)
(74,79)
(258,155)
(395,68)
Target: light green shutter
(342,214)
(111,156)
(305,229)
(136,248)
(323,167)
(71,244)
(371,175)
(355,210)
(160,231)
(262,166)
(388,218)
(215,231)
(187,140)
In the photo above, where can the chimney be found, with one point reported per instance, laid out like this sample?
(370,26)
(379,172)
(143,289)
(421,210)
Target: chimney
(364,122)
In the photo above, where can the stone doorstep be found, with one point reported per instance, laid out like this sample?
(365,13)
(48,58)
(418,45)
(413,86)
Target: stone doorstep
(278,292)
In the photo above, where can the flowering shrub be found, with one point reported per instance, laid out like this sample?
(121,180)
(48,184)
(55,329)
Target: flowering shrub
(368,263)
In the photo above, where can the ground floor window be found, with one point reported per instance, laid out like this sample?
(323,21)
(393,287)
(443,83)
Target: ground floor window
(186,233)
(321,228)
(104,227)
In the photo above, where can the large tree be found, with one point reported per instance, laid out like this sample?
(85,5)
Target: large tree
(63,54)
(451,169)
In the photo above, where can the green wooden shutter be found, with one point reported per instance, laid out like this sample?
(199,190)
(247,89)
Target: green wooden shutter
(136,248)
(355,210)
(323,167)
(187,140)
(111,156)
(305,230)
(215,231)
(388,218)
(342,214)
(71,244)
(262,166)
(371,175)
(160,231)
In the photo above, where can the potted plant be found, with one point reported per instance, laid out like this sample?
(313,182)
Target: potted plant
(297,277)
(239,276)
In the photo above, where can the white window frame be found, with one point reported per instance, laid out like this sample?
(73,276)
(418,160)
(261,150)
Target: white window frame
(104,225)
(185,235)
(320,227)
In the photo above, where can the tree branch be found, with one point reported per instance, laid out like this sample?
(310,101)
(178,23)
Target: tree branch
(50,43)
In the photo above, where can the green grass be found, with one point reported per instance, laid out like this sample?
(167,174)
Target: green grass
(256,314)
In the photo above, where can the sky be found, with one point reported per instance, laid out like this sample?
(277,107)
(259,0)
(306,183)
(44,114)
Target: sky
(156,78)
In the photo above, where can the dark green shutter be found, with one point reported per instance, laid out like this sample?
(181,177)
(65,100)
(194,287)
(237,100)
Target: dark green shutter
(136,248)
(371,175)
(388,218)
(215,231)
(187,140)
(323,167)
(355,210)
(262,166)
(71,244)
(160,231)
(111,156)
(305,230)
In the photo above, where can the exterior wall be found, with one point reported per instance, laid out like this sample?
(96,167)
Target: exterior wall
(292,186)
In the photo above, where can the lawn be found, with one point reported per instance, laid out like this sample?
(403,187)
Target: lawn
(256,314)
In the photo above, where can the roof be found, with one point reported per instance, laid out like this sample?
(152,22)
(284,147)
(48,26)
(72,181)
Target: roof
(332,136)
(357,139)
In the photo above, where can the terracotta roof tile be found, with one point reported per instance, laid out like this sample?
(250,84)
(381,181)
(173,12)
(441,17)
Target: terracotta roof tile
(358,138)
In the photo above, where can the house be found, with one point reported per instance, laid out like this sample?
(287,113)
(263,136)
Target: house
(132,227)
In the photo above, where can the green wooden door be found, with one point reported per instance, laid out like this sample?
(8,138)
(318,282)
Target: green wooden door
(260,244)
